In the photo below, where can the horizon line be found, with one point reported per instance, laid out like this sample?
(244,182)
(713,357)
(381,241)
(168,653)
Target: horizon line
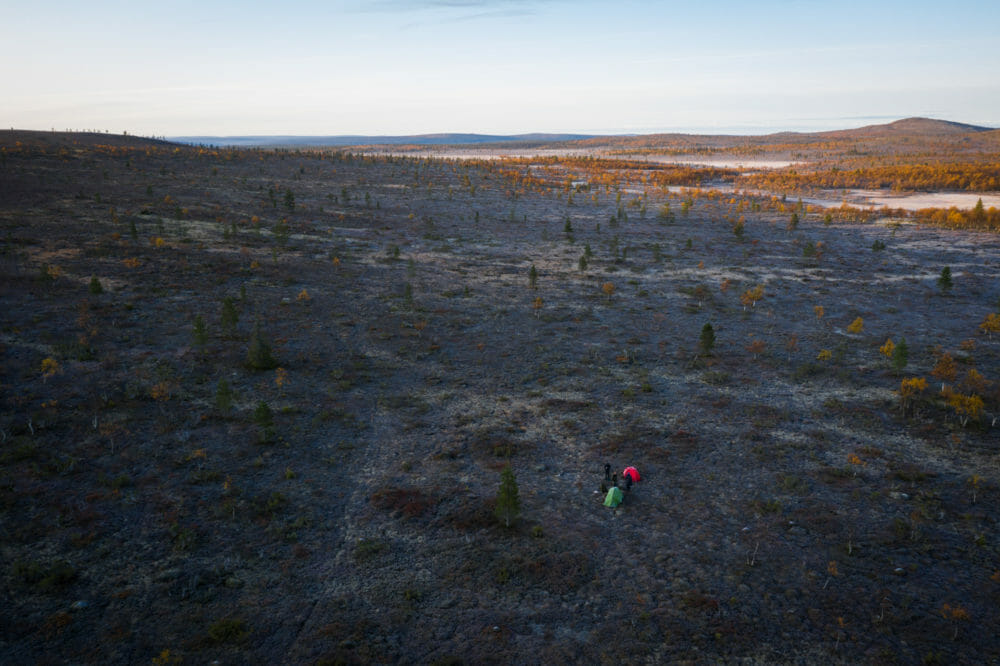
(690,130)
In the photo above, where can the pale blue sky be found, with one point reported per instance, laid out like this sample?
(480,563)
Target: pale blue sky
(494,66)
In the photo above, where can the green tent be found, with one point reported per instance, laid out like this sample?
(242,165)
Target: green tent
(614,497)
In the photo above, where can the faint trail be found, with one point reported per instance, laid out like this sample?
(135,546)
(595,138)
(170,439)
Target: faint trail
(334,578)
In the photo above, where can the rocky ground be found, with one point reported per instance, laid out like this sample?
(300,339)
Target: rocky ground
(789,510)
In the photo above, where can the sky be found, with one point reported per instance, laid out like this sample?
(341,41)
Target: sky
(398,67)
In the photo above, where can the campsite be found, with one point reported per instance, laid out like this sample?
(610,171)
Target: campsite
(256,406)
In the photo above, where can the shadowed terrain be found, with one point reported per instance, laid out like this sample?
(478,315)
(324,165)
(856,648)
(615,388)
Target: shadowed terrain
(255,405)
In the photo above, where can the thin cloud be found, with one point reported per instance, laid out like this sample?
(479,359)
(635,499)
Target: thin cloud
(437,12)
(468,9)
(419,5)
(500,13)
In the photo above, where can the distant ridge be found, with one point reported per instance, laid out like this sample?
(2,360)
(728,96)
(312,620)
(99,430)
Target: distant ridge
(915,127)
(911,126)
(79,139)
(364,140)
(906,126)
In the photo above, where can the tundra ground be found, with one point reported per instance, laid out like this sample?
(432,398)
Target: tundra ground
(167,495)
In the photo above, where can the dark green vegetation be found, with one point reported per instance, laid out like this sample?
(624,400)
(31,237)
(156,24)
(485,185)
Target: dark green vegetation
(508,502)
(310,475)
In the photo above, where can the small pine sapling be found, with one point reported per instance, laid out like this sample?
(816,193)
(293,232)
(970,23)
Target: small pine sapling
(900,355)
(979,212)
(281,231)
(230,316)
(508,501)
(200,332)
(944,281)
(223,396)
(264,418)
(259,356)
(706,342)
(666,215)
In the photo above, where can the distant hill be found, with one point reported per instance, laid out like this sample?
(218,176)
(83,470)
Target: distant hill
(80,139)
(909,126)
(374,140)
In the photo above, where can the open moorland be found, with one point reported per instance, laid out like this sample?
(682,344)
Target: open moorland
(255,405)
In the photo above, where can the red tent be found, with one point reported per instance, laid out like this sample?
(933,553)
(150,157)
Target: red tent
(633,472)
